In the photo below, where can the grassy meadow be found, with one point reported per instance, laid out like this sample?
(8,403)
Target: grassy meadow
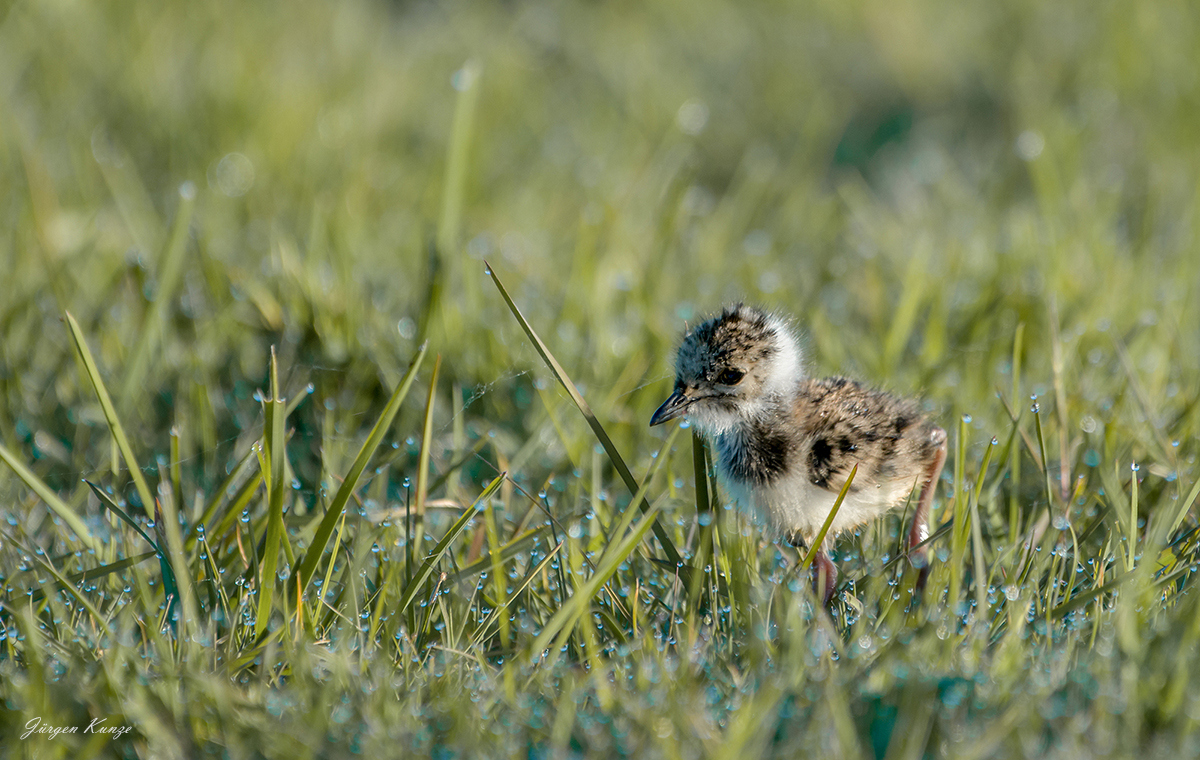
(289,471)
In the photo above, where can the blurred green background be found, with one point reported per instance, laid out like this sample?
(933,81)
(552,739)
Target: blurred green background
(956,200)
(909,179)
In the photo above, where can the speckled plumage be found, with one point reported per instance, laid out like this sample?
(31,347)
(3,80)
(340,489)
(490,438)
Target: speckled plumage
(786,444)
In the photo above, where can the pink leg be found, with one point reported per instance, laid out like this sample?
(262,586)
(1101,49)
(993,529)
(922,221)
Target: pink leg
(920,525)
(824,576)
(824,572)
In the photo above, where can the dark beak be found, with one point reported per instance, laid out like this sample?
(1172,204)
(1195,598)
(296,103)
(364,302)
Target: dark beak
(675,406)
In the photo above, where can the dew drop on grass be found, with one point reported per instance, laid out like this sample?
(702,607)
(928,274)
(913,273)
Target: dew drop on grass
(1135,466)
(966,418)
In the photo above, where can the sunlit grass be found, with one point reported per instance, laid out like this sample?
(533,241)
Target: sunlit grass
(286,473)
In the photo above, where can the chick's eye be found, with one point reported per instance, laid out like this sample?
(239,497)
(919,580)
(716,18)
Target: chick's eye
(730,376)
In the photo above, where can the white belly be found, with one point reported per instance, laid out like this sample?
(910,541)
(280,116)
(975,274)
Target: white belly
(794,504)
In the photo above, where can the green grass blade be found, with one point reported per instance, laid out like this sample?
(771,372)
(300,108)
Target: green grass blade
(503,555)
(66,584)
(88,575)
(533,573)
(219,495)
(170,271)
(453,191)
(170,580)
(703,513)
(107,502)
(980,571)
(308,565)
(564,620)
(609,448)
(816,544)
(57,505)
(422,574)
(273,471)
(110,415)
(423,459)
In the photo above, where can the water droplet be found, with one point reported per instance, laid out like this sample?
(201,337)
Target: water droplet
(1135,466)
(1035,407)
(995,441)
(966,418)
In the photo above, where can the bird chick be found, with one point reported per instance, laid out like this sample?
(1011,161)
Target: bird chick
(785,443)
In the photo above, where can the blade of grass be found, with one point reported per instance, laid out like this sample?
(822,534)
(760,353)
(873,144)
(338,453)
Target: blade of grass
(704,516)
(564,620)
(308,565)
(981,576)
(609,448)
(958,538)
(63,583)
(467,84)
(529,577)
(273,470)
(170,586)
(1014,464)
(87,575)
(816,544)
(905,316)
(170,270)
(506,552)
(418,534)
(56,505)
(110,415)
(422,574)
(499,581)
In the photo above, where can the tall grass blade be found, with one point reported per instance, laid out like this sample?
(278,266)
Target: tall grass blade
(273,470)
(51,499)
(837,505)
(418,533)
(564,620)
(308,565)
(86,575)
(170,585)
(110,415)
(704,516)
(423,573)
(609,448)
(170,271)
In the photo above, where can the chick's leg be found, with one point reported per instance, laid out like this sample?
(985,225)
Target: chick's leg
(920,526)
